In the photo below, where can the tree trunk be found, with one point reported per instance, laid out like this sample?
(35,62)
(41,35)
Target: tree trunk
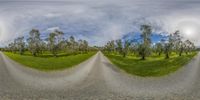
(186,53)
(180,53)
(167,56)
(143,57)
(55,55)
(34,54)
(124,55)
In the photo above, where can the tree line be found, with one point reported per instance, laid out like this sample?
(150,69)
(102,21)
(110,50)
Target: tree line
(144,46)
(55,43)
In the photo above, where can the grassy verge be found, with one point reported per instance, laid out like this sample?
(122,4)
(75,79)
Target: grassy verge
(152,66)
(49,63)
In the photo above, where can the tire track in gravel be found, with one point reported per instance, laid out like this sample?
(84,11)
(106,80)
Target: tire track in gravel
(96,78)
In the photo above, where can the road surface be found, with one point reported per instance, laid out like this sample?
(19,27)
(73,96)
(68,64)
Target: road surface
(96,79)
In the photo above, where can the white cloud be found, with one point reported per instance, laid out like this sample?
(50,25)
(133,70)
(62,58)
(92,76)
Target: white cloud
(51,29)
(98,21)
(51,15)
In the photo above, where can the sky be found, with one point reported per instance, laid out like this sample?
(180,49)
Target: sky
(99,21)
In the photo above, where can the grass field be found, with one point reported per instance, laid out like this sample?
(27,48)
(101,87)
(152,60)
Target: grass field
(152,66)
(47,62)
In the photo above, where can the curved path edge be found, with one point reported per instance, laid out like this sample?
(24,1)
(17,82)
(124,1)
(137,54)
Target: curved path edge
(35,78)
(181,81)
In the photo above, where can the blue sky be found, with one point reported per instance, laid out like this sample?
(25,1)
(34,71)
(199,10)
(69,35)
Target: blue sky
(136,37)
(99,21)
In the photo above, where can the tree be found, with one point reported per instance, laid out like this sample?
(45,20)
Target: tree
(60,39)
(67,45)
(55,41)
(12,47)
(81,45)
(20,45)
(34,41)
(144,48)
(52,46)
(126,48)
(43,47)
(119,47)
(134,46)
(110,46)
(189,46)
(178,43)
(73,44)
(168,46)
(181,47)
(85,46)
(159,48)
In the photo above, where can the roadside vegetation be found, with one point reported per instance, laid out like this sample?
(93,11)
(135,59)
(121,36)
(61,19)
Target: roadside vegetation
(48,63)
(143,58)
(154,65)
(52,53)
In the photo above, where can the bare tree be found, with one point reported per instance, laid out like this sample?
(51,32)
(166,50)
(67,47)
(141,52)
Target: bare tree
(81,45)
(159,48)
(126,48)
(12,47)
(73,44)
(119,47)
(85,46)
(55,42)
(110,46)
(34,41)
(189,46)
(20,45)
(144,48)
(168,46)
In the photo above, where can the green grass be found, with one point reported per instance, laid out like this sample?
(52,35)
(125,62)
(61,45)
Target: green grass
(48,63)
(151,67)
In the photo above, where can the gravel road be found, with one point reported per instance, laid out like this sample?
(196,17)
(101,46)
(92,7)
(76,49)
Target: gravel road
(96,79)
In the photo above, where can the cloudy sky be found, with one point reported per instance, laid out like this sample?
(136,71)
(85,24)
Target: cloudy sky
(99,20)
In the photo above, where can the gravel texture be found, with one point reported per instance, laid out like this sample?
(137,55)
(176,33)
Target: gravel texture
(96,79)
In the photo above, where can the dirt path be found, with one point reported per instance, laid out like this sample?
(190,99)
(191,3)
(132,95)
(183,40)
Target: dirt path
(96,78)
